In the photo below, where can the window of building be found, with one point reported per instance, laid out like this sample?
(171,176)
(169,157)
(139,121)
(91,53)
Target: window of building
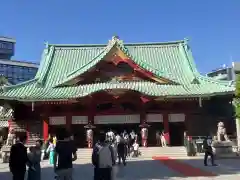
(17,74)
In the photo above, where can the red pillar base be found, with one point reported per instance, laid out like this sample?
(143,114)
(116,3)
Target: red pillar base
(27,133)
(166,127)
(89,144)
(144,142)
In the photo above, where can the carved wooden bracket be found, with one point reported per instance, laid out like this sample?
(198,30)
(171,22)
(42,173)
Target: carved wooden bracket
(144,99)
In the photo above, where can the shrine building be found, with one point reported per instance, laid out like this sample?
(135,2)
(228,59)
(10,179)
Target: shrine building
(119,86)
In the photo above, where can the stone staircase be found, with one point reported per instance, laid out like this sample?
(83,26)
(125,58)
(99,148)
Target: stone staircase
(146,153)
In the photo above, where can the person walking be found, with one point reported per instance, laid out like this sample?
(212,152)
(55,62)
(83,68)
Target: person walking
(34,170)
(65,154)
(18,159)
(51,152)
(132,136)
(44,148)
(103,159)
(163,139)
(208,151)
(122,151)
(158,138)
(54,140)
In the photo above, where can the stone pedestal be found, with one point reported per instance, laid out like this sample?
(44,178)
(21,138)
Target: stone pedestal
(238,131)
(5,153)
(223,149)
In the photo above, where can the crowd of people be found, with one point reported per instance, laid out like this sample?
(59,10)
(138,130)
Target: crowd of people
(60,150)
(130,141)
(110,149)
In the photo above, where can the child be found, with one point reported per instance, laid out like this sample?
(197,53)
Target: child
(135,149)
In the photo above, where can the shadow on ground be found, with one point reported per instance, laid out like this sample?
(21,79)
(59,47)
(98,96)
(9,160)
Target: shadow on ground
(138,170)
(225,166)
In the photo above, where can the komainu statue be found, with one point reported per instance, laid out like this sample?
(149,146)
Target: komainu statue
(221,132)
(221,144)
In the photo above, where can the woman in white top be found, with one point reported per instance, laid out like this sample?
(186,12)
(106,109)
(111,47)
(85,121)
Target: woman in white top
(163,140)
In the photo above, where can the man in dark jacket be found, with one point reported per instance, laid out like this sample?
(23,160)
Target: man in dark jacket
(208,151)
(65,154)
(122,151)
(18,159)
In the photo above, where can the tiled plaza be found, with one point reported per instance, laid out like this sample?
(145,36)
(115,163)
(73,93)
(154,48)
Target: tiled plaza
(140,169)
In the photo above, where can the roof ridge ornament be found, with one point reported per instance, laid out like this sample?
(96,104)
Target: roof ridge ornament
(46,47)
(186,40)
(115,37)
(112,42)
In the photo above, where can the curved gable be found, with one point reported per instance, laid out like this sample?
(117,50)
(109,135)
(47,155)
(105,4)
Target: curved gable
(164,60)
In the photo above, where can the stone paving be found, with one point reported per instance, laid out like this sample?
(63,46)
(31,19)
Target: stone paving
(142,169)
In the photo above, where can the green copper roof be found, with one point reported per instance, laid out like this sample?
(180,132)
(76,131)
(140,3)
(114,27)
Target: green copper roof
(61,63)
(31,92)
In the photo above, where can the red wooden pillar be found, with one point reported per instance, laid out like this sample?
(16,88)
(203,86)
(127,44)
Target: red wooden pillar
(91,114)
(69,122)
(91,111)
(143,121)
(186,121)
(166,125)
(45,128)
(10,125)
(27,132)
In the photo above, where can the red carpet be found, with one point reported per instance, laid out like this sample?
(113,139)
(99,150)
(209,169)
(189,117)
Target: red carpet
(183,168)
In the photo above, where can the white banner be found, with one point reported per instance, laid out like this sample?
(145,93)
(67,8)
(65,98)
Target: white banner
(57,120)
(154,118)
(117,119)
(80,120)
(176,117)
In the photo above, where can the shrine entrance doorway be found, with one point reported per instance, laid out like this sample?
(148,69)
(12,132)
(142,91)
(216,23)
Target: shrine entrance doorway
(176,133)
(116,128)
(79,133)
(153,129)
(176,129)
(117,123)
(55,130)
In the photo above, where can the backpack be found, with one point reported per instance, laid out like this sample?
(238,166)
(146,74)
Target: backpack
(103,156)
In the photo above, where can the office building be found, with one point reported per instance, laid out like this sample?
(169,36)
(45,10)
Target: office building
(225,72)
(14,71)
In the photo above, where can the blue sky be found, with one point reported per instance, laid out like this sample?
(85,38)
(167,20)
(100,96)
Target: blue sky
(213,26)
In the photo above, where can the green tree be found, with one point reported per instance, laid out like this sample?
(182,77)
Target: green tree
(3,80)
(237,97)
